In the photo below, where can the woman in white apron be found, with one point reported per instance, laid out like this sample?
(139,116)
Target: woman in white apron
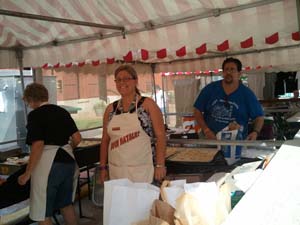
(51,165)
(129,126)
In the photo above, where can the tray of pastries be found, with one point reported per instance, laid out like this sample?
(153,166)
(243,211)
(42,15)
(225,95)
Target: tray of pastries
(195,160)
(171,151)
(195,155)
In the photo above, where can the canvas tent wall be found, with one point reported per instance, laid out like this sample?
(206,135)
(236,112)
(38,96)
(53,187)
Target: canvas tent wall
(184,35)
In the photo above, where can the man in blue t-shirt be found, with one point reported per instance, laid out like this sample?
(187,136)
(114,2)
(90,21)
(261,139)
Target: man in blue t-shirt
(223,102)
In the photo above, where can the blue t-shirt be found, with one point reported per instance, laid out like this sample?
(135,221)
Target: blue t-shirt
(220,109)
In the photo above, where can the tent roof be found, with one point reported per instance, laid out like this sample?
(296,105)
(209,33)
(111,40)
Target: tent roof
(192,34)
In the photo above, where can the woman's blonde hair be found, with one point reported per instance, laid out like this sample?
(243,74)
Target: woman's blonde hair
(129,69)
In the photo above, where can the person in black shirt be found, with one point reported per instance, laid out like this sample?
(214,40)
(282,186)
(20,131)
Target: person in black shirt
(52,134)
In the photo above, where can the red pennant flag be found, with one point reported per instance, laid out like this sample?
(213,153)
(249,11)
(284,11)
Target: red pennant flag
(201,50)
(68,65)
(247,43)
(110,60)
(45,66)
(296,36)
(223,46)
(56,65)
(144,54)
(272,39)
(181,52)
(216,71)
(128,57)
(161,53)
(96,63)
(81,64)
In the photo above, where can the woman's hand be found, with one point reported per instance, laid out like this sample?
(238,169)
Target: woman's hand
(24,178)
(160,173)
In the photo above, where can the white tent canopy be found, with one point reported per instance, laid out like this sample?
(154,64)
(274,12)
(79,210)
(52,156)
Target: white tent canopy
(60,32)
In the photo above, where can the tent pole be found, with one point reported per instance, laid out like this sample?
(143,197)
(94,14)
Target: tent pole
(148,25)
(21,115)
(298,13)
(19,56)
(59,20)
(163,96)
(153,80)
(153,65)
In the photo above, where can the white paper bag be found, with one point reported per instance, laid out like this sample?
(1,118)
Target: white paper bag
(173,191)
(231,153)
(126,202)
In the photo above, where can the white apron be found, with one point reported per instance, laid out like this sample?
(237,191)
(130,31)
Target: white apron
(39,181)
(129,153)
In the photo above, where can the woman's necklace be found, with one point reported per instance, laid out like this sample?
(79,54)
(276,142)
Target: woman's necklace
(131,106)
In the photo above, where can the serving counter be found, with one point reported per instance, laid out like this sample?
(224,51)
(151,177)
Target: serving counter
(211,160)
(274,198)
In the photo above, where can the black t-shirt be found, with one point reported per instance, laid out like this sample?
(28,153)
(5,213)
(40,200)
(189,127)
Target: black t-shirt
(51,124)
(54,125)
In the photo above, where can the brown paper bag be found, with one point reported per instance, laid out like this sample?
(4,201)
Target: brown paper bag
(161,214)
(163,211)
(157,221)
(151,221)
(142,222)
(163,195)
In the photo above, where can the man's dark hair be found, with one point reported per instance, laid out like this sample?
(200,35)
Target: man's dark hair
(237,62)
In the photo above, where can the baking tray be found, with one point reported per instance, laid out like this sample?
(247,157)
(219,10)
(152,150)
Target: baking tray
(217,163)
(209,155)
(8,169)
(10,153)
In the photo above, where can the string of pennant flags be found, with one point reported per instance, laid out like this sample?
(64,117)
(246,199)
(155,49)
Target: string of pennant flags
(181,52)
(208,72)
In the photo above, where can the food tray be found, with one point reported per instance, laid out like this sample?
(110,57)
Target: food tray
(8,169)
(213,160)
(194,155)
(171,151)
